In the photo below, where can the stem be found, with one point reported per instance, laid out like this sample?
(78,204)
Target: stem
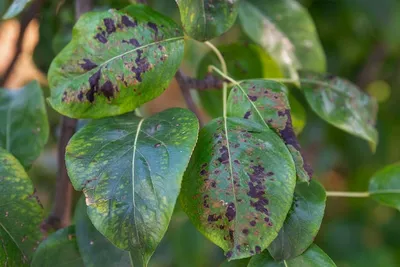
(346,194)
(220,57)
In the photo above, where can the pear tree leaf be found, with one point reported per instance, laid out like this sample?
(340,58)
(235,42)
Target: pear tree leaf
(298,114)
(16,7)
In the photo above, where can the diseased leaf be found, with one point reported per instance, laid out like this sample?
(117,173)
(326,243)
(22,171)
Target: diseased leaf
(286,31)
(59,249)
(312,257)
(298,114)
(239,186)
(20,213)
(95,249)
(243,62)
(302,223)
(144,50)
(206,19)
(130,170)
(266,102)
(15,8)
(342,104)
(25,128)
(384,186)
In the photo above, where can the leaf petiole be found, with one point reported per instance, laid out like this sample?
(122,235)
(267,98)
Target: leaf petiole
(347,194)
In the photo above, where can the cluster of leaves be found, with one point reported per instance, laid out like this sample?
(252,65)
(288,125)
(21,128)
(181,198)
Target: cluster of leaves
(242,179)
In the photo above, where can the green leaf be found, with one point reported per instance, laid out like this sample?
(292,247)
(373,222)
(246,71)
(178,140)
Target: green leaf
(342,104)
(20,213)
(206,19)
(266,102)
(130,170)
(59,249)
(236,263)
(298,115)
(302,223)
(95,249)
(239,185)
(243,62)
(143,51)
(286,31)
(312,257)
(25,128)
(15,8)
(384,186)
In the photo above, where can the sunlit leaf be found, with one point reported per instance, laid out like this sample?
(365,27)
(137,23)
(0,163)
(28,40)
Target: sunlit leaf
(312,257)
(25,129)
(384,186)
(206,19)
(143,51)
(59,249)
(130,170)
(20,213)
(298,115)
(239,185)
(342,104)
(15,8)
(302,223)
(95,249)
(266,102)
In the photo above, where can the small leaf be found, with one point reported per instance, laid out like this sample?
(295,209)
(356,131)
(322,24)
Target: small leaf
(384,186)
(239,186)
(312,257)
(15,8)
(205,19)
(59,249)
(302,223)
(342,104)
(25,128)
(144,50)
(286,31)
(95,249)
(298,115)
(266,102)
(130,170)
(20,213)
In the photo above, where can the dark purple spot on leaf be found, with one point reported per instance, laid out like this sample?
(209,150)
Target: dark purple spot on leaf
(107,89)
(94,85)
(252,97)
(253,223)
(157,145)
(101,38)
(88,64)
(224,158)
(247,114)
(245,231)
(230,211)
(258,249)
(110,26)
(127,22)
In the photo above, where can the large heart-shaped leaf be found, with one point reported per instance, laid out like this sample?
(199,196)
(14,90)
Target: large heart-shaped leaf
(25,128)
(342,104)
(20,213)
(116,61)
(266,102)
(95,249)
(286,31)
(206,19)
(384,186)
(130,170)
(302,223)
(239,185)
(312,257)
(59,249)
(15,8)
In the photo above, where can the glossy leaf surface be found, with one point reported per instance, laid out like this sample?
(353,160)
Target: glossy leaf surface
(25,129)
(59,249)
(266,102)
(95,249)
(207,19)
(312,257)
(15,8)
(302,223)
(130,170)
(342,104)
(20,213)
(144,50)
(384,186)
(239,185)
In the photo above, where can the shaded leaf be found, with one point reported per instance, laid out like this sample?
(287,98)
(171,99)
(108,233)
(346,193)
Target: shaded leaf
(25,128)
(130,170)
(286,31)
(238,186)
(266,102)
(302,223)
(342,104)
(206,19)
(144,50)
(298,114)
(59,249)
(95,249)
(20,213)
(312,257)
(236,263)
(384,186)
(15,8)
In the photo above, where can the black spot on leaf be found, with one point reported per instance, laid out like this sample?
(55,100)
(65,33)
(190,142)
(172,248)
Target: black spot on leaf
(88,64)
(107,89)
(132,41)
(230,211)
(101,38)
(252,97)
(127,22)
(94,85)
(110,25)
(247,114)
(224,158)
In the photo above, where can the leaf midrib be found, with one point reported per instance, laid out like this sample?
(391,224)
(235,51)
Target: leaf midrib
(12,238)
